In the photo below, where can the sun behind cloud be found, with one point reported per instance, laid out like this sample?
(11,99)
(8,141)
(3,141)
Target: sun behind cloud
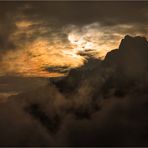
(68,47)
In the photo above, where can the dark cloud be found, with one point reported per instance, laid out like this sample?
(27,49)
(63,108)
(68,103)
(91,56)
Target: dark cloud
(61,69)
(25,24)
(87,12)
(102,103)
(57,14)
(11,83)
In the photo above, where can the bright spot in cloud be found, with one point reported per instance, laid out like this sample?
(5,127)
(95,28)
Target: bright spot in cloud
(43,46)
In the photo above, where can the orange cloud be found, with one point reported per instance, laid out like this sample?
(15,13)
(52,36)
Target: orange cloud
(32,57)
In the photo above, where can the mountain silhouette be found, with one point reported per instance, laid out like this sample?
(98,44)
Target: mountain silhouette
(131,57)
(128,63)
(102,103)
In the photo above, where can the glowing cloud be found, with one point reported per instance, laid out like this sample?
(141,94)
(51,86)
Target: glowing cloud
(43,47)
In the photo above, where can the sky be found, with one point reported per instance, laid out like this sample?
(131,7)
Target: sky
(36,36)
(73,73)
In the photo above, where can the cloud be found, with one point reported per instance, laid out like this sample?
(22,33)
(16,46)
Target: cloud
(70,46)
(40,32)
(10,85)
(92,106)
(99,103)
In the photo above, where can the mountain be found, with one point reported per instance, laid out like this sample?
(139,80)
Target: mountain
(131,57)
(124,66)
(102,103)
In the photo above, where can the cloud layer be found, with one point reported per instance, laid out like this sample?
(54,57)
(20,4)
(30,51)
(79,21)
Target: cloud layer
(102,103)
(66,47)
(102,98)
(34,39)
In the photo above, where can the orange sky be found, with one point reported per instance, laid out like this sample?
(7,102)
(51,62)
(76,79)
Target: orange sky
(31,58)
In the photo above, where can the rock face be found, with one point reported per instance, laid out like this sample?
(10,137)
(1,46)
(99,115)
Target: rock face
(131,58)
(127,64)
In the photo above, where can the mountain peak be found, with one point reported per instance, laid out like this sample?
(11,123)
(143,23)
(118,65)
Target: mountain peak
(133,42)
(131,57)
(128,37)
